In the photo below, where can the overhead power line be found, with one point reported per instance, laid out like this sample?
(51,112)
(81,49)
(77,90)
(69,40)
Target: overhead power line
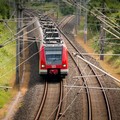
(97,16)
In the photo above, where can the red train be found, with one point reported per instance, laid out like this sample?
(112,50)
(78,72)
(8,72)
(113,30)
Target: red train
(53,59)
(53,53)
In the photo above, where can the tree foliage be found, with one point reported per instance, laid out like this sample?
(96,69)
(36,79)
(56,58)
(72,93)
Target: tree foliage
(48,0)
(4,9)
(112,11)
(66,9)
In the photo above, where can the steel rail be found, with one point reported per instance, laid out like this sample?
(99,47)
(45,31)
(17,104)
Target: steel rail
(83,79)
(86,88)
(42,102)
(100,84)
(88,96)
(60,101)
(104,94)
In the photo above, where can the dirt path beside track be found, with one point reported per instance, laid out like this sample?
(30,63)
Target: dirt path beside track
(107,67)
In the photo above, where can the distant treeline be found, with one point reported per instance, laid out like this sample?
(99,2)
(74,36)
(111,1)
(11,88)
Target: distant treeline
(4,9)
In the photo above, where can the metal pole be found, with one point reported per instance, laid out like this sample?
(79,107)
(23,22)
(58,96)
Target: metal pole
(79,12)
(58,10)
(21,24)
(102,34)
(17,45)
(76,25)
(85,25)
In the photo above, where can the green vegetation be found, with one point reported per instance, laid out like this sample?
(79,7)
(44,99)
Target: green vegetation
(55,8)
(7,52)
(66,9)
(6,65)
(45,7)
(4,97)
(112,46)
(4,9)
(111,10)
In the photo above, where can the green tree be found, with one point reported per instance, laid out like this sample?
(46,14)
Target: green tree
(66,9)
(4,9)
(112,11)
(48,0)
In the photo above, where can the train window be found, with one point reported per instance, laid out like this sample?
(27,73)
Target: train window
(53,56)
(52,34)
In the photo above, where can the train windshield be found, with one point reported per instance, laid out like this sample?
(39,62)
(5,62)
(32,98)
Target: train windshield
(53,55)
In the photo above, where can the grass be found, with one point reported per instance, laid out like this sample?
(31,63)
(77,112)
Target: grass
(4,97)
(47,6)
(6,65)
(94,44)
(42,6)
(114,61)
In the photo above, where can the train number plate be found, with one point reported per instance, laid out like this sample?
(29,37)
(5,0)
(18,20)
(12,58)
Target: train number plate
(53,66)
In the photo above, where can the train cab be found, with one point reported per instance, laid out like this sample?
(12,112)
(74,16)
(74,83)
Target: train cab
(53,60)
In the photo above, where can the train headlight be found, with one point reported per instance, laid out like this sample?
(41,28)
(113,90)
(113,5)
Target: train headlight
(64,65)
(42,65)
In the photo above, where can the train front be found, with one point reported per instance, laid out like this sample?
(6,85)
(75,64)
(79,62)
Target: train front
(53,60)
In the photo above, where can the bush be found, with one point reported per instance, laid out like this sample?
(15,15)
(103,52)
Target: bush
(66,10)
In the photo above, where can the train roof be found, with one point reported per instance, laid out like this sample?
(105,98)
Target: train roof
(51,29)
(53,40)
(44,19)
(46,22)
(52,45)
(51,34)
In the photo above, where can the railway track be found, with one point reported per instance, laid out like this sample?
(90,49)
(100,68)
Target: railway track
(86,83)
(48,90)
(42,102)
(43,108)
(91,96)
(55,104)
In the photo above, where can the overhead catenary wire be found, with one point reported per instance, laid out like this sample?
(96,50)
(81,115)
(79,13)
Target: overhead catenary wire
(34,40)
(67,94)
(15,39)
(107,22)
(78,93)
(19,31)
(17,19)
(105,40)
(107,18)
(19,65)
(96,88)
(112,43)
(8,27)
(15,56)
(63,98)
(97,16)
(7,20)
(7,41)
(100,54)
(115,36)
(4,44)
(108,8)
(11,15)
(111,33)
(23,40)
(114,79)
(28,37)
(5,87)
(111,22)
